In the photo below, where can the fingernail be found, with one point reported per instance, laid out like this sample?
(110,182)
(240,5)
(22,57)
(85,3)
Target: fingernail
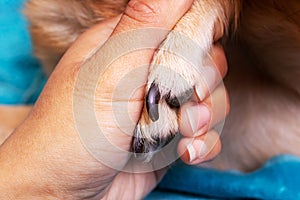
(193,153)
(198,117)
(202,146)
(207,82)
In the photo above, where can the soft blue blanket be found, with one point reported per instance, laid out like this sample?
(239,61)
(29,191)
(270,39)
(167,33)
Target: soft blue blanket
(21,80)
(279,178)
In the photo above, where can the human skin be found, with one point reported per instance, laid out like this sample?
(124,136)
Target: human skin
(45,158)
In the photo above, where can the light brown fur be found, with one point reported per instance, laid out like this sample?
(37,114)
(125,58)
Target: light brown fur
(263,58)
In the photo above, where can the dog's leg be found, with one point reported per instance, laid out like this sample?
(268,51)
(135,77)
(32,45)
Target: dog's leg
(264,86)
(270,30)
(175,69)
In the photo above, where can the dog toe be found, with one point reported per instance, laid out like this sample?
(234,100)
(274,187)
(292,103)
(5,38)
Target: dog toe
(144,149)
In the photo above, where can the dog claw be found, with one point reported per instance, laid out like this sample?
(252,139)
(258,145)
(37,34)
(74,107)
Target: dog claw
(139,146)
(152,100)
(144,149)
(172,102)
(176,101)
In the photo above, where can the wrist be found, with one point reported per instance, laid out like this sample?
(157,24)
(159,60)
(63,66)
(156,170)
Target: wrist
(47,163)
(20,179)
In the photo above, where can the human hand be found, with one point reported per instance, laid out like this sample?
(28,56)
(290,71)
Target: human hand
(53,153)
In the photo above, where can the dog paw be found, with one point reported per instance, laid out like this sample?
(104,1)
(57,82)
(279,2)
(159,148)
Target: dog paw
(170,84)
(175,69)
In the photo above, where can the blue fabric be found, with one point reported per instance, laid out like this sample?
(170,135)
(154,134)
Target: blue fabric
(279,178)
(21,80)
(174,195)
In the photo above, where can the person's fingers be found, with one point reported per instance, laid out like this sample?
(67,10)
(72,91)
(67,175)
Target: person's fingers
(219,104)
(217,58)
(195,119)
(208,106)
(198,117)
(199,149)
(214,70)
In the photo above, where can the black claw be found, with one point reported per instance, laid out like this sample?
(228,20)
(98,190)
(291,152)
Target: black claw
(139,146)
(172,102)
(176,101)
(144,149)
(152,100)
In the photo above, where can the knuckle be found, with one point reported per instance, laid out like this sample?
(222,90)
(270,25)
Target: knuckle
(220,59)
(143,11)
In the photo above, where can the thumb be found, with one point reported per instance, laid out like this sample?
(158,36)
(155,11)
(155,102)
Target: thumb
(113,79)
